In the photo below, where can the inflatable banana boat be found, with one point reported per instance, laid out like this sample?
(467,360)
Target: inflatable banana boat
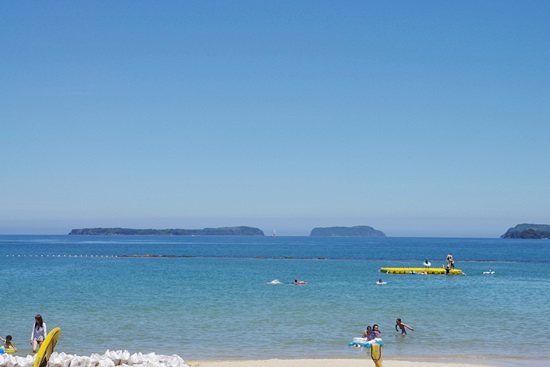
(421,271)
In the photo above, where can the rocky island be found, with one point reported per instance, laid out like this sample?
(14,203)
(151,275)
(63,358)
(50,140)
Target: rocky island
(528,231)
(357,231)
(224,231)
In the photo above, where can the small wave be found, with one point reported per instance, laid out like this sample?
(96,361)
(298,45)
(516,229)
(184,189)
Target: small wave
(108,359)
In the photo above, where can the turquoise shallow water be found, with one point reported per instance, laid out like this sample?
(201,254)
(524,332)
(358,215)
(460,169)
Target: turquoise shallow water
(208,297)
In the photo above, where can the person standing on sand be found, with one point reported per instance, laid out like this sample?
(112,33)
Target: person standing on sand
(39,332)
(402,326)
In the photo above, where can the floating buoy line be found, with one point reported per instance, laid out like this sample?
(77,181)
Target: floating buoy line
(60,255)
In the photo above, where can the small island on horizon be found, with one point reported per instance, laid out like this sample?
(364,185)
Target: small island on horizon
(528,231)
(223,231)
(356,231)
(520,231)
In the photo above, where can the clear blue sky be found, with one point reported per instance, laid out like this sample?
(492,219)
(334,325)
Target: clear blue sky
(419,118)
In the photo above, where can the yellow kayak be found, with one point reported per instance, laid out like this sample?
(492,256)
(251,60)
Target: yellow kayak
(420,271)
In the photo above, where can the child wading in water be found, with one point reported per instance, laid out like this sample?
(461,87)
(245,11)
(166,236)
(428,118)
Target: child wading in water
(402,326)
(8,346)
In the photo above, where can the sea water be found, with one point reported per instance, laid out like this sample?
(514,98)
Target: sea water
(209,297)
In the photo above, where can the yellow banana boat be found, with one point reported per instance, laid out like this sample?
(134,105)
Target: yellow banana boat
(421,271)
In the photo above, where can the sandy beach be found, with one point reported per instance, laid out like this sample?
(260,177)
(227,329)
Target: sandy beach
(356,362)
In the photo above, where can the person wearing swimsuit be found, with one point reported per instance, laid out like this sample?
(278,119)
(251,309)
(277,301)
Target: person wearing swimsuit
(402,326)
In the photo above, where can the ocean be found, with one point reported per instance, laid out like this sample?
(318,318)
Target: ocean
(209,297)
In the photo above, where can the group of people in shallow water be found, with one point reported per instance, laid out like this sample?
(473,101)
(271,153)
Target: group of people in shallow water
(38,335)
(372,333)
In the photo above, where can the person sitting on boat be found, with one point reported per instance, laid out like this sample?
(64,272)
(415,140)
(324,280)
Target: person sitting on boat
(427,263)
(375,331)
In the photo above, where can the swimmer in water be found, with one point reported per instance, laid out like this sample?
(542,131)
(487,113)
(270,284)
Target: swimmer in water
(8,346)
(402,326)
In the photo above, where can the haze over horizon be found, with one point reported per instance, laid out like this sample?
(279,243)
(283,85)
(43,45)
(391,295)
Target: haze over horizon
(420,119)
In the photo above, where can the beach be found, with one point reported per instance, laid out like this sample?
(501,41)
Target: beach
(329,362)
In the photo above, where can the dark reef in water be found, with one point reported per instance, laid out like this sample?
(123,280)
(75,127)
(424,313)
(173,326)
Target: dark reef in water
(357,231)
(224,231)
(528,231)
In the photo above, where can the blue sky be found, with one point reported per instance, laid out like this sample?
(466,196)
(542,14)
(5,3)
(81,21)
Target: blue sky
(419,118)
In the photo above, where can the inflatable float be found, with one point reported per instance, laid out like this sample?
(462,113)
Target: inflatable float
(363,342)
(421,271)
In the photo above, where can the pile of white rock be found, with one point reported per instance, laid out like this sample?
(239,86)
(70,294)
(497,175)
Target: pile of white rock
(109,359)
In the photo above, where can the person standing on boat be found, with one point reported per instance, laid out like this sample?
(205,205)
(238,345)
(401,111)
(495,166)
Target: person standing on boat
(450,261)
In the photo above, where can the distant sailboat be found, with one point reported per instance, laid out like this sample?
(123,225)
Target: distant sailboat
(274,234)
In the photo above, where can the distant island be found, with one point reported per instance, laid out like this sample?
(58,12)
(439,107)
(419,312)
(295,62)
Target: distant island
(224,231)
(357,231)
(528,231)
